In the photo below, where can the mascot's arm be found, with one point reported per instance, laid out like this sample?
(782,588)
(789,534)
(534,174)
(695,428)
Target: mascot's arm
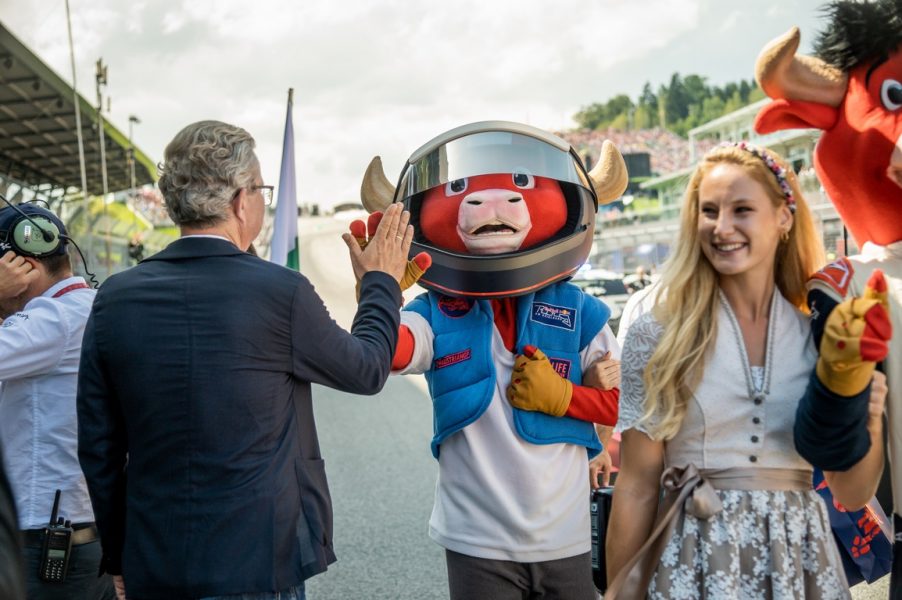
(833,430)
(594,405)
(536,386)
(855,486)
(404,350)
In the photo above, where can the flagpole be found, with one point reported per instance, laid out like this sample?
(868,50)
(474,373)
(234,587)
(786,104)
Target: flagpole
(81,143)
(284,247)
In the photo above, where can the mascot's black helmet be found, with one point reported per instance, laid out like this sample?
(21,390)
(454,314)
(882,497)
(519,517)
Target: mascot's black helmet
(501,147)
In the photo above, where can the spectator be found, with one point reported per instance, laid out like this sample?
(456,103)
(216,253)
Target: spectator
(45,309)
(136,248)
(195,387)
(638,281)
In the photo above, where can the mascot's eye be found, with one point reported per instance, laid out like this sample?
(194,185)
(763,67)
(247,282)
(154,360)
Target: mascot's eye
(891,94)
(524,181)
(457,186)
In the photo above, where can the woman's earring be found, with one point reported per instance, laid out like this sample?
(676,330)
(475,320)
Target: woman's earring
(784,235)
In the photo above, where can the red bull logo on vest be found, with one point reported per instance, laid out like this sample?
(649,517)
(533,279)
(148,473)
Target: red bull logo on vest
(554,316)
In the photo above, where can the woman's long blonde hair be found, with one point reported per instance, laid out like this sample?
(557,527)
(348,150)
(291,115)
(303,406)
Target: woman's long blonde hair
(686,300)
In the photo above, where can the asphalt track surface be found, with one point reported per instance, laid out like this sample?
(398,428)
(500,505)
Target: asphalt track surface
(381,474)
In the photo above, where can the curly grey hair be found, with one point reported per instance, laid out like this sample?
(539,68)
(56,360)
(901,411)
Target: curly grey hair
(203,167)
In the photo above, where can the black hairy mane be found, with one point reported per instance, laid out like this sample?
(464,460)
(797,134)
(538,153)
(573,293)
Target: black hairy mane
(859,32)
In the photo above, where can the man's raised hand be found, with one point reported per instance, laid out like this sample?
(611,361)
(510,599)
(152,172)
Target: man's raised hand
(364,235)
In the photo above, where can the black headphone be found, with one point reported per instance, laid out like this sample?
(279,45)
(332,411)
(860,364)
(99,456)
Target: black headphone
(37,236)
(32,235)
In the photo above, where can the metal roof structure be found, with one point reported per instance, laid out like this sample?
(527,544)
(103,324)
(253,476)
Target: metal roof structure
(38,136)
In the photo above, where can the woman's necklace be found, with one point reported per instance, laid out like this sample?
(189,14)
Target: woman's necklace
(757,397)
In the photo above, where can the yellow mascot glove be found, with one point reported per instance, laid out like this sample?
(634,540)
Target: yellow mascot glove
(855,339)
(536,386)
(364,232)
(415,269)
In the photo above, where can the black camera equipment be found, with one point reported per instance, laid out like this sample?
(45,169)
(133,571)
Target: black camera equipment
(599,511)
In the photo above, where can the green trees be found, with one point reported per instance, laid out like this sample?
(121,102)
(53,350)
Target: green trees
(685,103)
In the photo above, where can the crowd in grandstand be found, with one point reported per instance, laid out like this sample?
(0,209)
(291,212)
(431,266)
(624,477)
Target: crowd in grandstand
(668,151)
(149,202)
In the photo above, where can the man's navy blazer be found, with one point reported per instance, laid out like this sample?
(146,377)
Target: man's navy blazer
(196,430)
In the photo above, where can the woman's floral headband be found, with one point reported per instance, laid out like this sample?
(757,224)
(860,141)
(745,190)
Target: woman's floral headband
(775,168)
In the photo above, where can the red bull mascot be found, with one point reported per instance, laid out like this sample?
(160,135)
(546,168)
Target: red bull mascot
(852,92)
(505,213)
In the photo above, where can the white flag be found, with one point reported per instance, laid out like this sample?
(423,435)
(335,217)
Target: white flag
(284,247)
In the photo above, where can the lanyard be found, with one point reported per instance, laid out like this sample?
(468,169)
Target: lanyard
(69,288)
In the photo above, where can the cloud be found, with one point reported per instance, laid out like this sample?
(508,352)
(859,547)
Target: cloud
(383,77)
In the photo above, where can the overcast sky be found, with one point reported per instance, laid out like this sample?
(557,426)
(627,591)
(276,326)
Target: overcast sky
(385,76)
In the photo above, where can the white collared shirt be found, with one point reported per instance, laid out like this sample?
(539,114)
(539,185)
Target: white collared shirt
(207,235)
(40,348)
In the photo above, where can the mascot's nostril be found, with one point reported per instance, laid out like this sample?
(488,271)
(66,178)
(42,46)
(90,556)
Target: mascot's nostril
(474,202)
(514,199)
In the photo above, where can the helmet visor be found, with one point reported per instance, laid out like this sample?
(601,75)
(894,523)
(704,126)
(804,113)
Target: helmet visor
(486,153)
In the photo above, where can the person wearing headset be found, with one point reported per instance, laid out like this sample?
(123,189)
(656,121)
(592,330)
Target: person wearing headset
(44,310)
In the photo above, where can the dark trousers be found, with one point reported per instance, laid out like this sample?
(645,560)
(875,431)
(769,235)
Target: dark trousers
(82,582)
(471,578)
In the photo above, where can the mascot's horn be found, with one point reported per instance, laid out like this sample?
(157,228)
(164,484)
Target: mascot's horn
(609,176)
(782,74)
(376,192)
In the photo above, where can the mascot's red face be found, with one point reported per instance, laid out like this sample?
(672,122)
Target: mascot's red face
(856,100)
(493,214)
(859,159)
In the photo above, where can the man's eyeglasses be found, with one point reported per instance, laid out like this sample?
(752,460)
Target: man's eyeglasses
(266,191)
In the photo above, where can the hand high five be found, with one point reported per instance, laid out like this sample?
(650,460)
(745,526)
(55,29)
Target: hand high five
(387,248)
(364,235)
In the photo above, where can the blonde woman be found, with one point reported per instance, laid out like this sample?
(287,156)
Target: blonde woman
(711,378)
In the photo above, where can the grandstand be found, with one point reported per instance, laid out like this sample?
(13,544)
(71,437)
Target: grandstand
(668,151)
(39,158)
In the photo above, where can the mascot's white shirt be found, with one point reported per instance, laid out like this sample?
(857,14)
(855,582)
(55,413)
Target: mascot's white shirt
(499,496)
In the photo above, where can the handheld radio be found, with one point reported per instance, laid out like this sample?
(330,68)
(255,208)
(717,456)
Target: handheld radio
(57,546)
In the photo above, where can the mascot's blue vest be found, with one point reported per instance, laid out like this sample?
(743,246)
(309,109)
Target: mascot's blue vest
(560,320)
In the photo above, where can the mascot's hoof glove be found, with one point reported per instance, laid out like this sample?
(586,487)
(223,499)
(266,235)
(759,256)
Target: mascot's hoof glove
(856,336)
(415,269)
(536,386)
(358,231)
(363,233)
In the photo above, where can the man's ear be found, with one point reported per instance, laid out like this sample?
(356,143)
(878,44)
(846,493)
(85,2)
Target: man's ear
(240,206)
(35,263)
